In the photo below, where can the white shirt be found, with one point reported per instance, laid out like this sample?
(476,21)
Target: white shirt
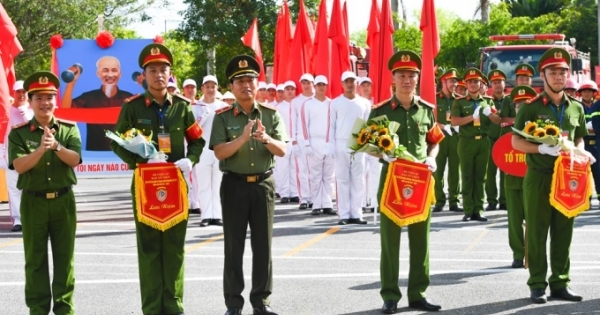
(16,116)
(285,110)
(344,113)
(314,120)
(296,105)
(205,115)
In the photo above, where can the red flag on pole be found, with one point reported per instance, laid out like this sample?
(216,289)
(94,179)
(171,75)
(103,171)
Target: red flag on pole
(251,40)
(380,40)
(10,47)
(431,47)
(340,49)
(322,47)
(283,44)
(302,45)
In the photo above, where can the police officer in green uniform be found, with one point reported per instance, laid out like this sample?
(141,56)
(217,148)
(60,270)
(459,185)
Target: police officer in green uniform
(170,118)
(474,114)
(44,151)
(410,111)
(447,148)
(567,114)
(514,184)
(245,138)
(497,79)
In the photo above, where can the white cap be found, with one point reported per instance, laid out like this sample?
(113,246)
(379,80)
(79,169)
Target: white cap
(364,79)
(218,95)
(228,96)
(172,84)
(271,86)
(348,75)
(189,82)
(280,87)
(210,78)
(308,77)
(321,79)
(18,85)
(262,85)
(289,83)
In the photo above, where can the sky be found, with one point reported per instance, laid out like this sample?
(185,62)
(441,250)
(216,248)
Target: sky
(358,14)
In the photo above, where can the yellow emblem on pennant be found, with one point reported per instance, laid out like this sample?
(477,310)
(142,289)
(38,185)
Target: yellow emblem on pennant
(558,55)
(405,58)
(472,72)
(243,64)
(155,51)
(521,92)
(43,80)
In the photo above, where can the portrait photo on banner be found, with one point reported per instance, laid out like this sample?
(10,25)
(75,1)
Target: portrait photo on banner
(94,85)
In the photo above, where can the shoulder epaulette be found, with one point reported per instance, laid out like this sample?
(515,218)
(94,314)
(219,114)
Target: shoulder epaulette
(20,125)
(379,104)
(183,98)
(533,99)
(224,109)
(265,105)
(424,102)
(66,122)
(129,99)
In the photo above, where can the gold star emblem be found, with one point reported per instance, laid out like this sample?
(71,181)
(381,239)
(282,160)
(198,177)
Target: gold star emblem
(453,73)
(243,64)
(496,73)
(524,68)
(155,51)
(521,92)
(558,55)
(472,72)
(43,80)
(405,58)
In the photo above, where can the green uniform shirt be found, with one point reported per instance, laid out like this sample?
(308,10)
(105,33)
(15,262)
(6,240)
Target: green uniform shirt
(50,172)
(414,123)
(495,130)
(141,112)
(444,107)
(507,110)
(253,157)
(464,107)
(541,108)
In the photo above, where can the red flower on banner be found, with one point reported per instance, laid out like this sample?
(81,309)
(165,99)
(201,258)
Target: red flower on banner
(56,41)
(105,39)
(159,39)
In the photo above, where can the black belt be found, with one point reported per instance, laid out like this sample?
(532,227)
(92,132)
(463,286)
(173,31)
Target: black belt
(48,194)
(250,178)
(476,137)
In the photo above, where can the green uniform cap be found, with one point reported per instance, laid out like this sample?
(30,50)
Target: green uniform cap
(522,92)
(474,74)
(242,66)
(496,75)
(555,57)
(451,73)
(155,53)
(41,81)
(405,60)
(524,69)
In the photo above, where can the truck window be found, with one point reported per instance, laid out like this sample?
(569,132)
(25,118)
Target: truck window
(507,59)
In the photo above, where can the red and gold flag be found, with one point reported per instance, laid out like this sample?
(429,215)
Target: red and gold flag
(571,188)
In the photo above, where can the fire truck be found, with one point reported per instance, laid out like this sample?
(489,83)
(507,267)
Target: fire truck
(505,57)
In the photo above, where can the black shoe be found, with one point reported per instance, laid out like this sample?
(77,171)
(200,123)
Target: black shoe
(303,206)
(310,205)
(424,305)
(357,221)
(205,222)
(195,210)
(368,209)
(17,228)
(467,218)
(566,294)
(233,311)
(295,199)
(264,310)
(218,222)
(502,206)
(478,217)
(329,211)
(517,263)
(389,307)
(538,296)
(491,207)
(285,200)
(456,208)
(343,222)
(277,196)
(315,211)
(438,208)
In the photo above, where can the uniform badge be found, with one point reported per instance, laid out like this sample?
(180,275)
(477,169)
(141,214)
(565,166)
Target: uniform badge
(43,80)
(407,192)
(236,111)
(243,64)
(472,72)
(155,51)
(573,184)
(405,58)
(521,92)
(148,101)
(161,194)
(558,55)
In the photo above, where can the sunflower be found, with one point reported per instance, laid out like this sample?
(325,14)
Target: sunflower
(539,132)
(383,131)
(530,127)
(552,130)
(363,137)
(386,143)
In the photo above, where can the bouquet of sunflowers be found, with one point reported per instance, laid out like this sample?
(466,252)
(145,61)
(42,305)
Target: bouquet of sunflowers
(133,140)
(377,136)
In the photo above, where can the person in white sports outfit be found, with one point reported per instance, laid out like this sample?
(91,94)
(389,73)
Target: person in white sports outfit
(372,165)
(261,96)
(189,91)
(280,96)
(20,112)
(349,171)
(206,174)
(286,167)
(314,125)
(272,95)
(307,83)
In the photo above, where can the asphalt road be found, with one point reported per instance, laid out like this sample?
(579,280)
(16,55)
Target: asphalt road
(319,268)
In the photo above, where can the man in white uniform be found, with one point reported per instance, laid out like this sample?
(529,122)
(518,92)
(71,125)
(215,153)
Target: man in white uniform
(272,94)
(314,125)
(307,82)
(280,93)
(349,171)
(372,165)
(20,112)
(261,97)
(206,173)
(189,91)
(286,167)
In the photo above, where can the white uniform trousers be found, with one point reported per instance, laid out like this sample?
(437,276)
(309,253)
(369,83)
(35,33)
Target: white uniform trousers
(209,185)
(304,190)
(350,181)
(193,188)
(287,171)
(372,173)
(321,167)
(14,196)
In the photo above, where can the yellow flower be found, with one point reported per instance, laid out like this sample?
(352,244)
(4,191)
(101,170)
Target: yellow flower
(530,127)
(383,131)
(539,132)
(363,137)
(552,130)
(386,143)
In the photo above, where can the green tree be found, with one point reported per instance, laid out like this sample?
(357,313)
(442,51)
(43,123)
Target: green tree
(359,38)
(580,21)
(535,8)
(184,57)
(408,36)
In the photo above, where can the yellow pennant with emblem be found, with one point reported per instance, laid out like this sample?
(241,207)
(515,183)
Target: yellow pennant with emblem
(571,185)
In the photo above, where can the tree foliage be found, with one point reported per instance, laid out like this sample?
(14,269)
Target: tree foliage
(535,8)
